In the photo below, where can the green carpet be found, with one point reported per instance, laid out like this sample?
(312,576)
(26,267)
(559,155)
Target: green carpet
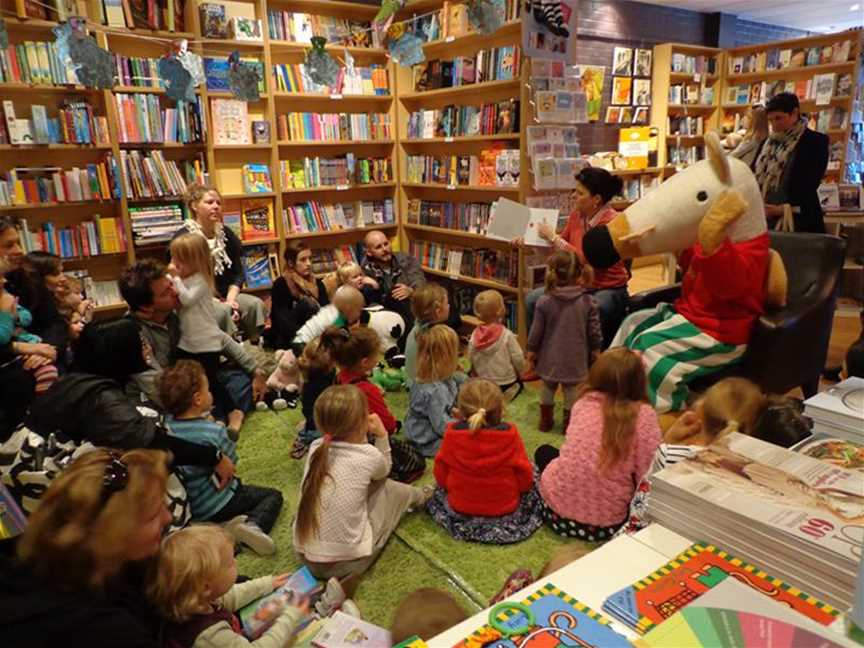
(420,554)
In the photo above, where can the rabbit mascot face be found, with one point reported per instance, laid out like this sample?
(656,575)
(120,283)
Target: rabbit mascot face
(712,215)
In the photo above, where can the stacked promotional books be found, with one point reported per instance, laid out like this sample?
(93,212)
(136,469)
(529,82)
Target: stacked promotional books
(795,516)
(839,411)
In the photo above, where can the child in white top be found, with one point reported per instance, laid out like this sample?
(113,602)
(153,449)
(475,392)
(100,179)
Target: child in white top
(348,508)
(193,585)
(344,311)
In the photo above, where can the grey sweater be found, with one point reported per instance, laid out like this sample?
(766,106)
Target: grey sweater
(565,331)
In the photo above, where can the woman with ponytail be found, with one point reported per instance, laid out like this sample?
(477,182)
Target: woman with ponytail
(485,480)
(348,508)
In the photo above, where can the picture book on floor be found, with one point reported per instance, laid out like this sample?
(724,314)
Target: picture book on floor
(548,617)
(259,615)
(653,599)
(342,630)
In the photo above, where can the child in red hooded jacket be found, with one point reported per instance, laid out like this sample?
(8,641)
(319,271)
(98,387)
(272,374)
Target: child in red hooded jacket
(486,490)
(494,350)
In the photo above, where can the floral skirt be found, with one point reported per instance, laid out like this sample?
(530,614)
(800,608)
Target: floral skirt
(573,529)
(506,529)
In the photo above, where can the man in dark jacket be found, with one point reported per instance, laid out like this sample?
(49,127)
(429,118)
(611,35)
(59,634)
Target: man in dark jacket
(790,165)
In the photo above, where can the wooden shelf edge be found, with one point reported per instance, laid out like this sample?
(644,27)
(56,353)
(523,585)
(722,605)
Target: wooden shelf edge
(444,187)
(340,232)
(471,88)
(348,188)
(381,142)
(488,283)
(801,69)
(460,138)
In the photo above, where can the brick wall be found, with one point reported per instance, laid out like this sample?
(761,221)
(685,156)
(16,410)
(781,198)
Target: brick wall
(603,25)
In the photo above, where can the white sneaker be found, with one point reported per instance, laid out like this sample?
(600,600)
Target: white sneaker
(261,406)
(248,533)
(350,608)
(280,404)
(332,598)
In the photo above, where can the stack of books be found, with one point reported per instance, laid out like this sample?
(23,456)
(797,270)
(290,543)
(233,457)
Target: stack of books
(498,64)
(75,123)
(777,59)
(260,267)
(36,62)
(334,172)
(684,64)
(495,265)
(332,127)
(359,81)
(685,125)
(142,119)
(138,72)
(149,175)
(34,185)
(457,121)
(464,217)
(155,225)
(795,516)
(298,27)
(839,411)
(495,167)
(329,260)
(313,216)
(101,293)
(102,235)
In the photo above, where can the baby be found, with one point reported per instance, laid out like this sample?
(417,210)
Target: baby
(345,311)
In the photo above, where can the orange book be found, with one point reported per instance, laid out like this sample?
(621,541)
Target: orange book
(257,220)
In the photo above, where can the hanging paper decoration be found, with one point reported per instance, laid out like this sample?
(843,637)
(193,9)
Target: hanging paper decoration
(178,81)
(320,66)
(486,16)
(193,63)
(4,35)
(243,79)
(384,18)
(93,65)
(407,50)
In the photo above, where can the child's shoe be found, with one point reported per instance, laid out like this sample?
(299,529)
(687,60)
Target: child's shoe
(248,533)
(299,449)
(332,599)
(350,608)
(547,418)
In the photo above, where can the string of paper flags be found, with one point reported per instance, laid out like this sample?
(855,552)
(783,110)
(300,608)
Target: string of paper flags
(183,70)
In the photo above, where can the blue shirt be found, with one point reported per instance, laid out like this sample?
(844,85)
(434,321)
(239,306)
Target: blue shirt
(429,412)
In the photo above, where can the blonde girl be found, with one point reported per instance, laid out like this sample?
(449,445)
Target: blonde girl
(565,334)
(348,508)
(352,274)
(485,480)
(193,584)
(434,393)
(613,434)
(430,305)
(201,338)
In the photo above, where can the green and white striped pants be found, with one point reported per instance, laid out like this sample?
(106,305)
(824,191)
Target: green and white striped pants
(675,352)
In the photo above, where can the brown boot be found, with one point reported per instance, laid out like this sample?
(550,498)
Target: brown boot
(565,422)
(547,418)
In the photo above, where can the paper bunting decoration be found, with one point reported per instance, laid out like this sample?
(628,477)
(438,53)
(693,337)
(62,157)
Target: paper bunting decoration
(93,65)
(4,35)
(178,81)
(486,16)
(193,63)
(243,79)
(320,66)
(384,18)
(407,50)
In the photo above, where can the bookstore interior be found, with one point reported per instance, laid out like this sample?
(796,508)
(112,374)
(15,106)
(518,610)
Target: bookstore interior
(455,127)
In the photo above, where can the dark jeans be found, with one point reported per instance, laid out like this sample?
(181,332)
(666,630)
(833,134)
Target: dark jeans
(259,504)
(238,389)
(17,387)
(544,455)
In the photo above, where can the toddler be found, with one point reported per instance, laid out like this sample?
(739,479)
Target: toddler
(485,480)
(357,353)
(610,443)
(351,273)
(565,334)
(434,393)
(319,372)
(426,613)
(494,349)
(250,511)
(430,305)
(345,311)
(193,585)
(348,508)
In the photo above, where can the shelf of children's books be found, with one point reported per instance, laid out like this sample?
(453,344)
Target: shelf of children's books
(240,147)
(86,257)
(336,232)
(226,94)
(44,87)
(116,34)
(330,7)
(691,107)
(53,147)
(293,46)
(678,77)
(456,139)
(55,205)
(436,48)
(160,145)
(37,25)
(263,241)
(804,70)
(461,92)
(229,44)
(456,187)
(486,283)
(338,188)
(806,104)
(153,199)
(251,194)
(325,143)
(321,96)
(455,233)
(636,172)
(139,90)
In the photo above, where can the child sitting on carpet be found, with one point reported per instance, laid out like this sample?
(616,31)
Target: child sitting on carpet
(565,335)
(319,372)
(434,393)
(430,305)
(250,511)
(357,353)
(494,349)
(611,441)
(426,613)
(348,508)
(347,306)
(193,585)
(485,480)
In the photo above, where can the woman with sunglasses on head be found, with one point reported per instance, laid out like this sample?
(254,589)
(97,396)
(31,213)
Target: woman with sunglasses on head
(595,189)
(78,571)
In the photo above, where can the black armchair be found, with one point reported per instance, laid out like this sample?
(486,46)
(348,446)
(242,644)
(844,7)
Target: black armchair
(789,345)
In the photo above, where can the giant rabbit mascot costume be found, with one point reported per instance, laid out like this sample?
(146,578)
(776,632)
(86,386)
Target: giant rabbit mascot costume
(713,215)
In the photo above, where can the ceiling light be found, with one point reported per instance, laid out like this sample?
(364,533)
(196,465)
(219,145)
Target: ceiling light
(855,7)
